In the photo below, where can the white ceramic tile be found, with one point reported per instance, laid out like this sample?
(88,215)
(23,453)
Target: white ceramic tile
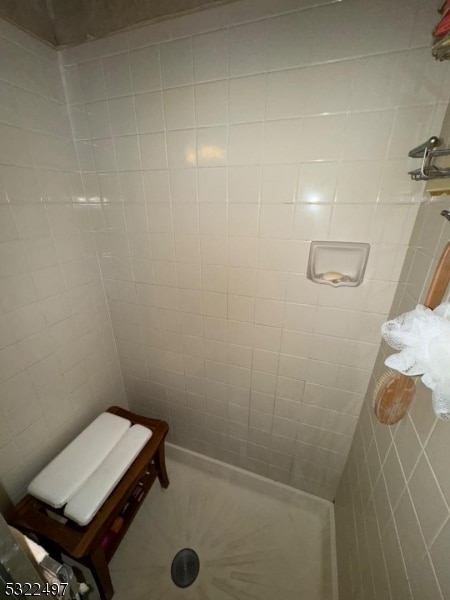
(410,125)
(274,254)
(283,141)
(286,92)
(245,143)
(376,81)
(247,99)
(117,75)
(213,219)
(211,103)
(20,185)
(278,183)
(289,39)
(212,146)
(145,69)
(122,114)
(359,182)
(92,80)
(149,112)
(176,62)
(248,48)
(276,221)
(351,223)
(212,185)
(317,182)
(128,154)
(156,185)
(243,220)
(243,184)
(104,154)
(327,88)
(322,137)
(153,151)
(312,222)
(210,52)
(367,135)
(181,148)
(183,185)
(98,119)
(179,107)
(243,252)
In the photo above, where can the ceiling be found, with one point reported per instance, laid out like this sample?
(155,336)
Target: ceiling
(67,22)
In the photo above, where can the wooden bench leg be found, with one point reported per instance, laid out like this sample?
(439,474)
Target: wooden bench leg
(160,463)
(98,566)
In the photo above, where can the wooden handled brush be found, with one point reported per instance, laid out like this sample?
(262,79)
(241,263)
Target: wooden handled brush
(395,391)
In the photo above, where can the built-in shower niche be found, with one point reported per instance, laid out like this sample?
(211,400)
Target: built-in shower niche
(338,263)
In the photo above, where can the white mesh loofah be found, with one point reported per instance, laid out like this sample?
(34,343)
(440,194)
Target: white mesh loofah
(423,338)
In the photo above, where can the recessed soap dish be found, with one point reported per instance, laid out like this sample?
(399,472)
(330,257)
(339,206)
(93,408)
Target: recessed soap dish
(338,263)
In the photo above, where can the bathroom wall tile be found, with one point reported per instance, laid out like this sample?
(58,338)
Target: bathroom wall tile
(183,185)
(243,220)
(283,141)
(149,112)
(247,99)
(247,48)
(365,182)
(327,88)
(176,62)
(289,41)
(211,103)
(181,148)
(212,146)
(210,52)
(156,184)
(377,81)
(92,80)
(245,144)
(430,506)
(271,285)
(117,75)
(179,107)
(127,152)
(145,69)
(153,151)
(276,221)
(312,222)
(278,183)
(360,127)
(285,94)
(243,184)
(122,114)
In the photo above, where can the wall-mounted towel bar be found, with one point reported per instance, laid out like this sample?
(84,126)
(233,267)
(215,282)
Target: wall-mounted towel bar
(427,152)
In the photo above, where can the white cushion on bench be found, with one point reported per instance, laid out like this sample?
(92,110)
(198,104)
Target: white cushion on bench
(83,506)
(65,475)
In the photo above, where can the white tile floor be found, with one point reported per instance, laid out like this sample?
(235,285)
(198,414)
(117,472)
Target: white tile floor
(256,539)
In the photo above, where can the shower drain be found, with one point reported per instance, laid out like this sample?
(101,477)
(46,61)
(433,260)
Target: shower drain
(185,567)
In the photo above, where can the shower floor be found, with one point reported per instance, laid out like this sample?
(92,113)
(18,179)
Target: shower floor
(256,540)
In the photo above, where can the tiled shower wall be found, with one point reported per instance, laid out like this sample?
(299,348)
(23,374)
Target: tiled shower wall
(219,145)
(58,360)
(392,507)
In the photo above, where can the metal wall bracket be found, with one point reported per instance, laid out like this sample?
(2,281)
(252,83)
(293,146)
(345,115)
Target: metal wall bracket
(427,152)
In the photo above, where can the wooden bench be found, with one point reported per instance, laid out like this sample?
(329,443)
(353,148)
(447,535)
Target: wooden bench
(95,544)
